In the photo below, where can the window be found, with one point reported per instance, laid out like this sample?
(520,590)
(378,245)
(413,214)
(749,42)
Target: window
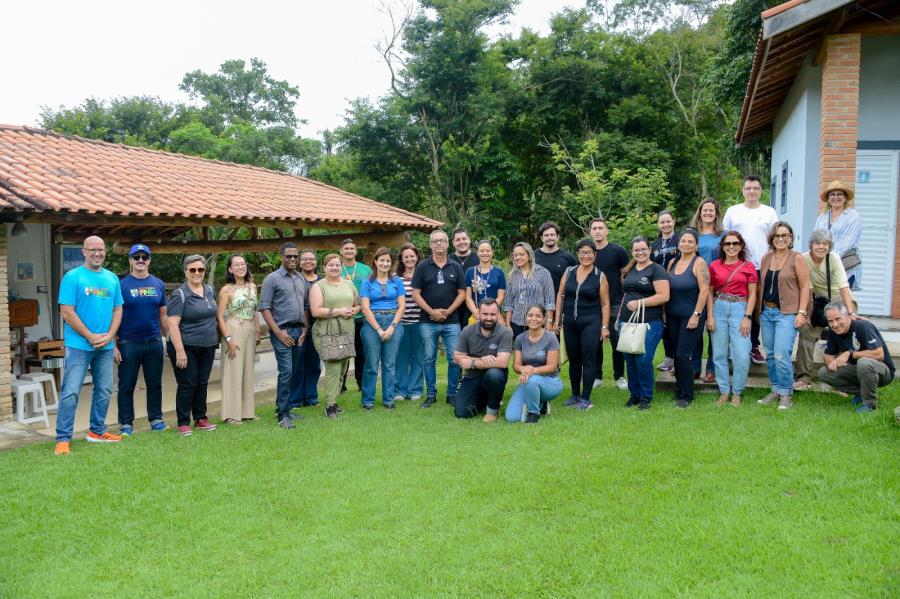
(773,191)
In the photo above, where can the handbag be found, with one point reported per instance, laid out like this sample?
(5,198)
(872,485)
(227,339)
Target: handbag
(817,317)
(632,334)
(335,346)
(850,259)
(563,354)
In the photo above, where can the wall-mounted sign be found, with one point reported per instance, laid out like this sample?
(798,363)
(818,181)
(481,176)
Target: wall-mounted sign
(863,176)
(24,271)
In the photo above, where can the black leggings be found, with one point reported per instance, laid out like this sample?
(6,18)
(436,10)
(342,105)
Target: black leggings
(684,343)
(582,337)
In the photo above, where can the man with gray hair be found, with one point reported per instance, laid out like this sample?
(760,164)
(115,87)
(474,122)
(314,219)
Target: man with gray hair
(856,357)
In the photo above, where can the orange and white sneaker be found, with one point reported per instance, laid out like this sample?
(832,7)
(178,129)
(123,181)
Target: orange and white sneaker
(62,448)
(93,437)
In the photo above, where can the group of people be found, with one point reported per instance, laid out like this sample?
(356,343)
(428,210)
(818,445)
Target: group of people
(735,275)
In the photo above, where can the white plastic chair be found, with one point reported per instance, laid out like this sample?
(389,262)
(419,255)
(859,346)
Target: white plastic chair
(44,377)
(23,389)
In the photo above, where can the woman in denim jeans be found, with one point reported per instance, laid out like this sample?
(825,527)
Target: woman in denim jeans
(643,281)
(781,304)
(729,312)
(409,382)
(383,298)
(537,362)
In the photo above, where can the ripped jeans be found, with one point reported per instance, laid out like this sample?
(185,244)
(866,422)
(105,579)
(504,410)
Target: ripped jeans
(778,334)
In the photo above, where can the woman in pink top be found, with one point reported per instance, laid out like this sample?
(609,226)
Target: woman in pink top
(733,282)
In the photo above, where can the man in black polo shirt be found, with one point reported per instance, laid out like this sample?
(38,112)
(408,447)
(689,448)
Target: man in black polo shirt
(550,256)
(483,350)
(856,358)
(439,289)
(462,246)
(610,258)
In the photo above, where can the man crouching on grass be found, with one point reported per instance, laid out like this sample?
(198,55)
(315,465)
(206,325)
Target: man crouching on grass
(856,358)
(483,351)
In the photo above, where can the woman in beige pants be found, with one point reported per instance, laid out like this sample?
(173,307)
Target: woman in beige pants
(240,331)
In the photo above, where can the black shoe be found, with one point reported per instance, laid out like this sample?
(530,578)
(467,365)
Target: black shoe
(429,401)
(644,405)
(451,400)
(545,408)
(331,411)
(339,409)
(632,401)
(369,407)
(390,406)
(682,404)
(532,418)
(286,422)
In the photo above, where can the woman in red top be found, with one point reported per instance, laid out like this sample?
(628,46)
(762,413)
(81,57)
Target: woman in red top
(733,282)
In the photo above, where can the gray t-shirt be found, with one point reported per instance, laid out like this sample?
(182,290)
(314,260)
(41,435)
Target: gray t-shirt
(198,316)
(472,343)
(535,354)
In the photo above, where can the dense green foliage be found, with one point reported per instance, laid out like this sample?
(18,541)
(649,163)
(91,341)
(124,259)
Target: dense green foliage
(622,109)
(707,502)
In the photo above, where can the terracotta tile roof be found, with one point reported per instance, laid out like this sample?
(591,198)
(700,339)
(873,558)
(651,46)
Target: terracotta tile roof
(42,171)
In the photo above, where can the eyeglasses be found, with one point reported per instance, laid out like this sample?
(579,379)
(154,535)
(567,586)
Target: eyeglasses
(96,251)
(640,251)
(141,258)
(196,270)
(291,256)
(586,254)
(728,244)
(781,236)
(308,258)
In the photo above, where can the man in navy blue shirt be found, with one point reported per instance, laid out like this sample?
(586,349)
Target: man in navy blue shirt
(139,344)
(856,358)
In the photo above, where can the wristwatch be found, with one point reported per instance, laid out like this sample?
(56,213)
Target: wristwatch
(227,338)
(803,312)
(697,314)
(748,316)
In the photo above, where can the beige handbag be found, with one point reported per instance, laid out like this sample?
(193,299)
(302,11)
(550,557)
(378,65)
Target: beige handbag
(633,332)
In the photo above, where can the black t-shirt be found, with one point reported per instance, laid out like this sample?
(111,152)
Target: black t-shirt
(439,286)
(638,284)
(861,335)
(611,260)
(466,263)
(663,251)
(556,262)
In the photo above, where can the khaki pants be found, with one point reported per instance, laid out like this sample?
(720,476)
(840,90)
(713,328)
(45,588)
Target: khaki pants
(807,362)
(334,371)
(862,378)
(237,373)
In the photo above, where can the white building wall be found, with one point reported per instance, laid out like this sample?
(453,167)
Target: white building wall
(795,141)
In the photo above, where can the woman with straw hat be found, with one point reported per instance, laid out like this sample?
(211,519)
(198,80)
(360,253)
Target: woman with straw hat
(838,217)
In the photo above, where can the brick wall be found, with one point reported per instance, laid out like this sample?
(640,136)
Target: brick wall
(840,109)
(5,363)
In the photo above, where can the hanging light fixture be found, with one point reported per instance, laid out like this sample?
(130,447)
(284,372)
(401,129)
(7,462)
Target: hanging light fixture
(19,229)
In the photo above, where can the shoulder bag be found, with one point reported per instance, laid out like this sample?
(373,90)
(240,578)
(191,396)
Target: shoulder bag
(333,345)
(850,259)
(633,332)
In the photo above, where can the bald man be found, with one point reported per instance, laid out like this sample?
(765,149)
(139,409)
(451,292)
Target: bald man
(90,303)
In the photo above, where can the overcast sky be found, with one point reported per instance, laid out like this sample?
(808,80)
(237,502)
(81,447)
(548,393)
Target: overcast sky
(59,53)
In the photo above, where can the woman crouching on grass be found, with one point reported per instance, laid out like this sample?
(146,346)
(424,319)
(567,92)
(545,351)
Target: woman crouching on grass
(537,362)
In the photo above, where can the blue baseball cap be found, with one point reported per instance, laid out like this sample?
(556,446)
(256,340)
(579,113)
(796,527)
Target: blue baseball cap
(138,247)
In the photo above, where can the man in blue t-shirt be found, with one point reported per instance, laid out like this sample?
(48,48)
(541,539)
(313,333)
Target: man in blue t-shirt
(856,358)
(90,303)
(139,344)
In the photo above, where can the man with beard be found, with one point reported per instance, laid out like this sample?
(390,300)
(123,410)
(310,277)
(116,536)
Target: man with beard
(483,350)
(463,254)
(550,256)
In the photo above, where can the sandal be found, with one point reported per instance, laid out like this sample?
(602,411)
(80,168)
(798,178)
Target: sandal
(735,400)
(723,399)
(232,421)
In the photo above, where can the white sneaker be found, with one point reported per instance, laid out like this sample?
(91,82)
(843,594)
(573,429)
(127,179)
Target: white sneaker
(622,384)
(667,365)
(597,383)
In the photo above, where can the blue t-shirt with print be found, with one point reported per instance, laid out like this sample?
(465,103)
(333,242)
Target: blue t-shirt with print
(140,312)
(93,294)
(382,299)
(485,285)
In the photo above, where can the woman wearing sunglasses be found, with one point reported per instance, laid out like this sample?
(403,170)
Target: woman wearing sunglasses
(192,343)
(729,310)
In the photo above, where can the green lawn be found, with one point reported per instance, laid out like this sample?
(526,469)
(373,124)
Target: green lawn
(612,502)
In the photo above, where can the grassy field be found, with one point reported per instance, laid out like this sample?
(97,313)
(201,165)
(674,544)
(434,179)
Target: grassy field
(705,502)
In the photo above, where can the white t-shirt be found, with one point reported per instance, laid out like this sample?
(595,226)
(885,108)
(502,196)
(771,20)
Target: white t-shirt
(754,225)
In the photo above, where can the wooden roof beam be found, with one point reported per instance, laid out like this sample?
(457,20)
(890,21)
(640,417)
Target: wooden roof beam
(316,242)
